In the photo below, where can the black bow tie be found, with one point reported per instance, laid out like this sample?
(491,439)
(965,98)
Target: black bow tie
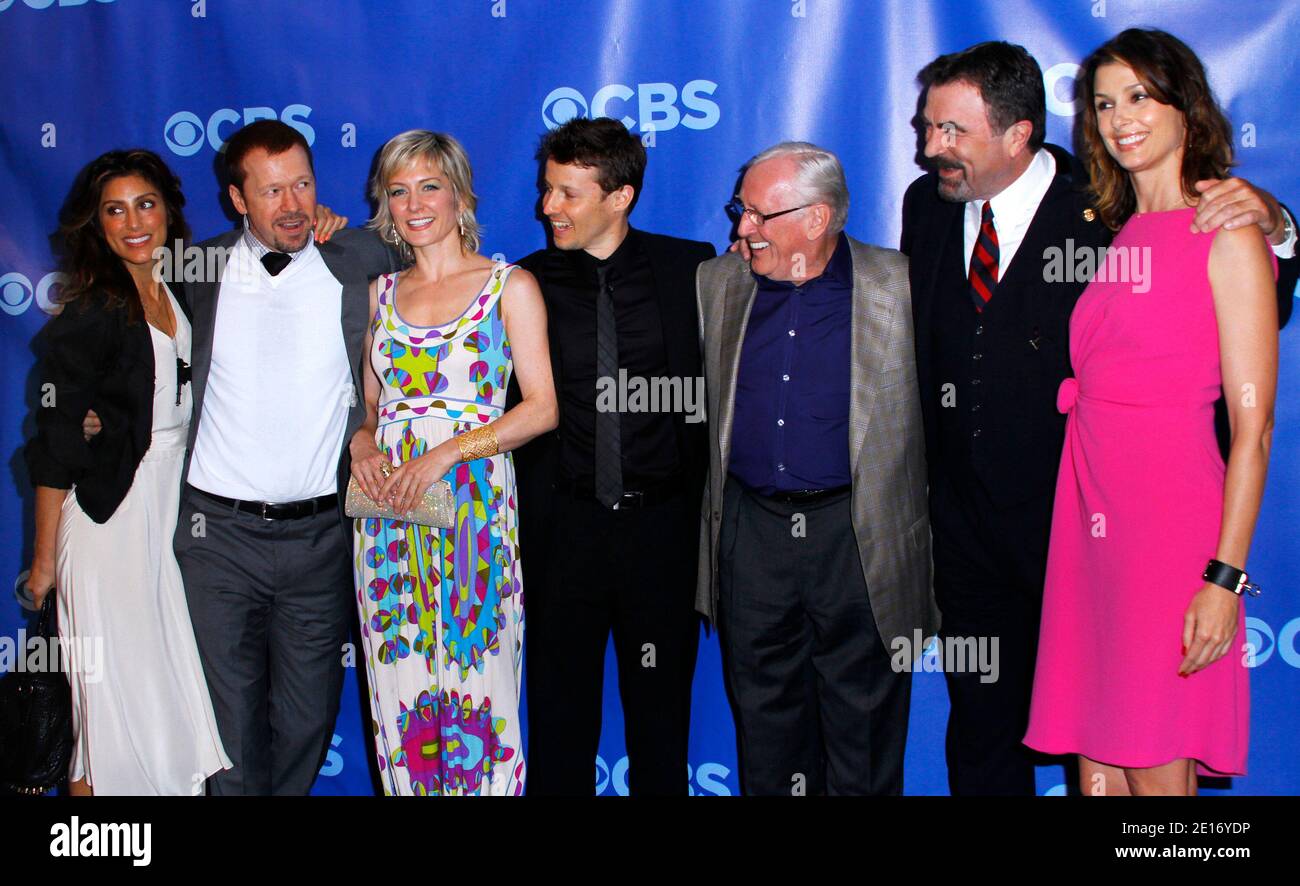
(275,262)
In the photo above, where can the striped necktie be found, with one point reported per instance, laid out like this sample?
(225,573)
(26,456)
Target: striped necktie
(984,260)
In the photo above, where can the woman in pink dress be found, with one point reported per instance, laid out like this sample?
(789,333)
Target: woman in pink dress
(1142,655)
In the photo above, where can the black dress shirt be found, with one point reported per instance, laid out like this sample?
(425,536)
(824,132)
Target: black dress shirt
(649,441)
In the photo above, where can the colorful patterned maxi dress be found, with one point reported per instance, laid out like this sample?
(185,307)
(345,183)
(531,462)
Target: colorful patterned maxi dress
(442,618)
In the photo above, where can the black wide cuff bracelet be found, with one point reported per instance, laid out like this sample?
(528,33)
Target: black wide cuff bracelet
(1230,577)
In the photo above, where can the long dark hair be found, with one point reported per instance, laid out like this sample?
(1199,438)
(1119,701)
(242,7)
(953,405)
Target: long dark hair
(1173,75)
(91,267)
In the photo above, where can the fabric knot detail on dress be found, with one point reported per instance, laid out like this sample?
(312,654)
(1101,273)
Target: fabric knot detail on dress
(1067,395)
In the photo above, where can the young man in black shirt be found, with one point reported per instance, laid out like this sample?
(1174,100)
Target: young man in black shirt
(610,503)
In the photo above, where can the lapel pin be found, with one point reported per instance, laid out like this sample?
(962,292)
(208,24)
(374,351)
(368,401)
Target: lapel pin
(1089,215)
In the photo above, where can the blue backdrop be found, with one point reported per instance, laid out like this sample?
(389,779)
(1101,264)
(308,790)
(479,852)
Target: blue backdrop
(707,83)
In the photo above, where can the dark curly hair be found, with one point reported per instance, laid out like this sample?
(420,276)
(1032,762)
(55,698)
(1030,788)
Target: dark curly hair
(1173,75)
(91,268)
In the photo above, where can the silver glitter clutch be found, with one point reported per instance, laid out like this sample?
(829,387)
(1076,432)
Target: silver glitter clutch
(437,508)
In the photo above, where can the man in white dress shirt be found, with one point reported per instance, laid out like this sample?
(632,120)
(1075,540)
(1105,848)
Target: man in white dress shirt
(261,541)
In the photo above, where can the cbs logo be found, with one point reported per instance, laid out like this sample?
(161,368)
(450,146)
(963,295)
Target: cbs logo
(334,762)
(46,4)
(1262,642)
(17,292)
(707,778)
(655,105)
(186,133)
(1058,81)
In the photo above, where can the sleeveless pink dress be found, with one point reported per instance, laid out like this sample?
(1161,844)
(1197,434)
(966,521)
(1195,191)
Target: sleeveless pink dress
(1138,506)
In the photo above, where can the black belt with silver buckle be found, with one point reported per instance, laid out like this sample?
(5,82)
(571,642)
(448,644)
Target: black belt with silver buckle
(289,510)
(640,498)
(802,496)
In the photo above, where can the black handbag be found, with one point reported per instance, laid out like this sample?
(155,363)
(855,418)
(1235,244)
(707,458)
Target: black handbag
(36,719)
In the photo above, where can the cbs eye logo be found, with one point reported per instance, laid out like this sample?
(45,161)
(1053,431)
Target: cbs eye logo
(17,292)
(186,133)
(1263,643)
(562,105)
(655,104)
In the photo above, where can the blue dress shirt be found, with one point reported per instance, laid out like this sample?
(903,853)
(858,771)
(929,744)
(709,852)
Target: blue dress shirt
(791,427)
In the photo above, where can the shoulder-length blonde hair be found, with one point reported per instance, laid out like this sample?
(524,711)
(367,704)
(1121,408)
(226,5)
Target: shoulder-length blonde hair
(413,146)
(1173,75)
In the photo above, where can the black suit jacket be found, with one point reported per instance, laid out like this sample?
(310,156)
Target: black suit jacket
(94,359)
(1022,460)
(672,263)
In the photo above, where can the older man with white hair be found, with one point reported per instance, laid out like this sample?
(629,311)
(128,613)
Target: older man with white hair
(815,545)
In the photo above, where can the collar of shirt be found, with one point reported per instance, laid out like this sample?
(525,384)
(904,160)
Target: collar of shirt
(838,270)
(1013,209)
(260,249)
(619,262)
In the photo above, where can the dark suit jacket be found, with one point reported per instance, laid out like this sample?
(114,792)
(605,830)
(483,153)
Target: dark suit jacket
(1022,415)
(672,262)
(354,257)
(1021,459)
(94,359)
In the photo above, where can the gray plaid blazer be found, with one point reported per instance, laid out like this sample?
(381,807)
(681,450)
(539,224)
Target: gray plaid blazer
(886,440)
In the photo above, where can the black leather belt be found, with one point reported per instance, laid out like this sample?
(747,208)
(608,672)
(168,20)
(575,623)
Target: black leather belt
(802,496)
(647,496)
(288,510)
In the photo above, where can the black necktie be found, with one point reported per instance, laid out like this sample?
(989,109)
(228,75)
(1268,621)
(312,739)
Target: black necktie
(275,262)
(609,447)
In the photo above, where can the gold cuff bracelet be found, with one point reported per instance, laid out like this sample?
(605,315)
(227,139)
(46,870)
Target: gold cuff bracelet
(478,443)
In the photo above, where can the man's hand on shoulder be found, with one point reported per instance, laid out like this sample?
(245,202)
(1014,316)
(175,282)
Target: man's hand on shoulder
(1235,203)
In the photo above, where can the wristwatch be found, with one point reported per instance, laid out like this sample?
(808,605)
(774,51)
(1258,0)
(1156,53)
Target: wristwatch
(1288,227)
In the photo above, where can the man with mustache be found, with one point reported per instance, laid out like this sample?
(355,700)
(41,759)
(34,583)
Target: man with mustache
(261,539)
(992,347)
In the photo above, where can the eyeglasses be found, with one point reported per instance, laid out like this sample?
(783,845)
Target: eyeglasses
(737,210)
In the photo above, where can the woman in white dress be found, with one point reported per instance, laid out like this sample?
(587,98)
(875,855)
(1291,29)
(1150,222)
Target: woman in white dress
(106,507)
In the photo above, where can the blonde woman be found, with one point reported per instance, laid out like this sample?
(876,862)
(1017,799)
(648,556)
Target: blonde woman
(442,610)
